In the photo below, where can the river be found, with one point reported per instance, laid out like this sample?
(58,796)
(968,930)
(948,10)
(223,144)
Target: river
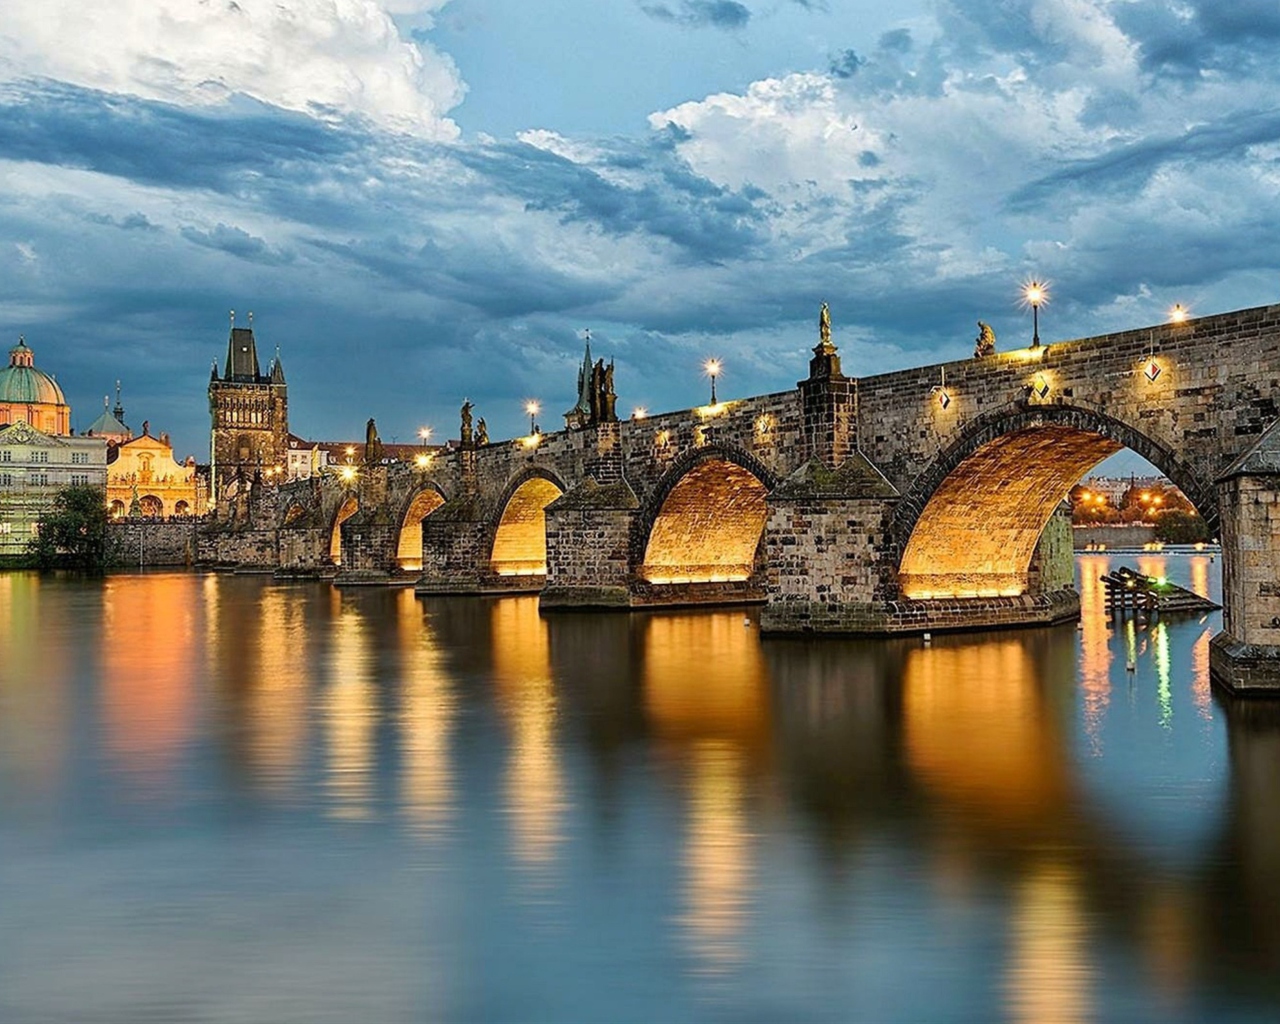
(224,799)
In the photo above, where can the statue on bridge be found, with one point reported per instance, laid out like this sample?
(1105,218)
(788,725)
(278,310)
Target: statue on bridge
(602,397)
(985,344)
(466,422)
(824,324)
(482,432)
(372,445)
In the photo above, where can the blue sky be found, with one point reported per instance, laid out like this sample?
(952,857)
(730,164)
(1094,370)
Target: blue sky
(423,200)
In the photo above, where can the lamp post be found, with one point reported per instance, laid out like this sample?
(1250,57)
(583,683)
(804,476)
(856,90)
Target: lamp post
(532,408)
(712,367)
(1178,314)
(1035,294)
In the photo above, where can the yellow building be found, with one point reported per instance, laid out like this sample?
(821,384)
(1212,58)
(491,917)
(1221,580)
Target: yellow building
(144,469)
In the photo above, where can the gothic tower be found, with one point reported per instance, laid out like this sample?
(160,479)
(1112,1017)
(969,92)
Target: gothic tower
(249,413)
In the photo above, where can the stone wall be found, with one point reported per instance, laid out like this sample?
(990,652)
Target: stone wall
(1129,536)
(143,543)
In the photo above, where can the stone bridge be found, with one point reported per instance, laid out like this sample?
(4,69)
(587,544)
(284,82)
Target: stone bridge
(918,500)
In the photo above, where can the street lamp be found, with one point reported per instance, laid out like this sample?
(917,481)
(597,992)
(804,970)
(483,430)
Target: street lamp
(424,433)
(1179,313)
(532,407)
(1035,294)
(712,368)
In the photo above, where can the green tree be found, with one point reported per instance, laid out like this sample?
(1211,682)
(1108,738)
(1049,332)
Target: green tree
(73,531)
(1178,527)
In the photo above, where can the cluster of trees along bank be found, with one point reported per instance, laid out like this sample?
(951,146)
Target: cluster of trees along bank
(1165,508)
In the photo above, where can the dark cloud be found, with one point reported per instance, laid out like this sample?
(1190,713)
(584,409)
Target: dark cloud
(1185,40)
(235,242)
(726,14)
(1128,168)
(845,64)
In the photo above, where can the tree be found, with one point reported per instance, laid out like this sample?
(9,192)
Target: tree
(72,533)
(1178,527)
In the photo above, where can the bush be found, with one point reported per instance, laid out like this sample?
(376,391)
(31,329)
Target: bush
(1178,527)
(73,532)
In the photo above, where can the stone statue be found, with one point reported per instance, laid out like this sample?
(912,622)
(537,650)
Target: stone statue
(466,421)
(824,324)
(482,432)
(372,445)
(985,343)
(597,389)
(607,396)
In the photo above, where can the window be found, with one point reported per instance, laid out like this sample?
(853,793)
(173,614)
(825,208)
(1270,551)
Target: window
(6,479)
(40,479)
(6,528)
(79,458)
(6,456)
(80,478)
(40,456)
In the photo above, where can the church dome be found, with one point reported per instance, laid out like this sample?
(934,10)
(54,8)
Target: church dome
(22,384)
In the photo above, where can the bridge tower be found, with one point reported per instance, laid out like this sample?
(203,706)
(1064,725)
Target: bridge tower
(249,413)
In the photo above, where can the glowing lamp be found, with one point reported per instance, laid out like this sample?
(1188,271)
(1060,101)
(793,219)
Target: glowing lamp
(423,460)
(944,399)
(1040,386)
(639,412)
(1152,370)
(532,408)
(424,432)
(1035,294)
(348,473)
(1179,313)
(712,368)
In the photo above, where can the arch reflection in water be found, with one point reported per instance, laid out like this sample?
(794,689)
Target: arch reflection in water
(535,800)
(1050,970)
(428,709)
(706,695)
(348,711)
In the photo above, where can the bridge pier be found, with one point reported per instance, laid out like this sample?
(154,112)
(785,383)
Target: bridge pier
(1245,657)
(588,547)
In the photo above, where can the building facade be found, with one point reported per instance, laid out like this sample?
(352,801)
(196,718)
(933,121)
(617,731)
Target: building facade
(249,416)
(33,466)
(144,479)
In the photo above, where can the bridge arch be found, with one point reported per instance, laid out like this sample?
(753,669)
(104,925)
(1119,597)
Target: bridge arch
(347,507)
(417,505)
(704,520)
(519,526)
(969,524)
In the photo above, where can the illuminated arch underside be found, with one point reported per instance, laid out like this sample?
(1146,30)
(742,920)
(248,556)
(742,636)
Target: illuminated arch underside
(976,536)
(409,547)
(348,509)
(520,546)
(708,528)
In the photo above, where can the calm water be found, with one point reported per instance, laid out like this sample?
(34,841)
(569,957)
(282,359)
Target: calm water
(223,799)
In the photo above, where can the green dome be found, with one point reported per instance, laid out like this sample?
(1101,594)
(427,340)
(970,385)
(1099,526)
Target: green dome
(22,384)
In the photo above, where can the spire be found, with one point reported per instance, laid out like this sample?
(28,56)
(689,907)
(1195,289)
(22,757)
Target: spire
(118,411)
(581,412)
(277,368)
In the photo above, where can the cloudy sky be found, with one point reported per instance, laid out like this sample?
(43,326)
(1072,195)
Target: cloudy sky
(423,200)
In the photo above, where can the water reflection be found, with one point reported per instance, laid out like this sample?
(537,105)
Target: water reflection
(152,629)
(1001,826)
(535,798)
(428,708)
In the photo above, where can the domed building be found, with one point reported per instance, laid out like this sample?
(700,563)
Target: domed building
(29,395)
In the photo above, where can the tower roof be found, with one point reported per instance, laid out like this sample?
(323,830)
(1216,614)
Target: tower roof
(242,356)
(21,383)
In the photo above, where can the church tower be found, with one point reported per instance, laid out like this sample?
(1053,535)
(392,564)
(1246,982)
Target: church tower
(249,414)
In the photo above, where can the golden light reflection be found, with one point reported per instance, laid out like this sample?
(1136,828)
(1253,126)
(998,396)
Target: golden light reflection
(428,709)
(1200,575)
(1050,970)
(34,711)
(276,695)
(348,713)
(716,858)
(1095,647)
(1169,943)
(1201,687)
(978,731)
(535,801)
(152,636)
